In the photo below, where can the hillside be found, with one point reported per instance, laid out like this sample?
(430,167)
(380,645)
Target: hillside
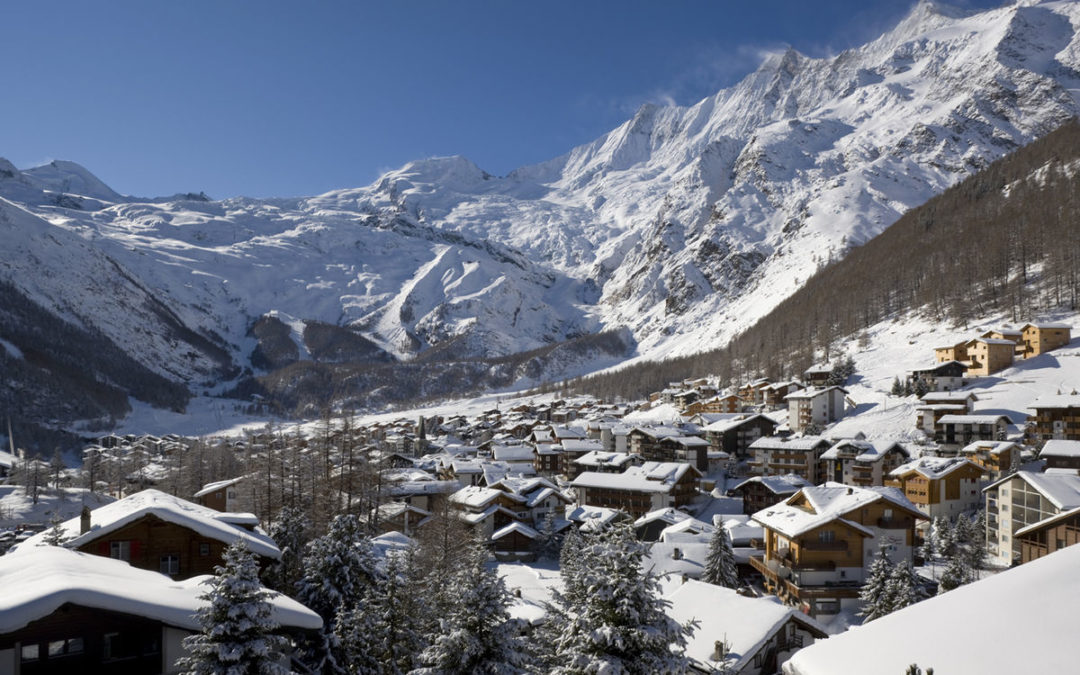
(682,227)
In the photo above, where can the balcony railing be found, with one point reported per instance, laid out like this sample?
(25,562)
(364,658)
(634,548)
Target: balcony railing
(895,523)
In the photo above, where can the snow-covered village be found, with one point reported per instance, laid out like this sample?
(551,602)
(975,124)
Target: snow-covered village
(772,370)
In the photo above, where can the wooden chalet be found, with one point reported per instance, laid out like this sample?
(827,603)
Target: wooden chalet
(1061,454)
(640,489)
(155,531)
(66,612)
(760,492)
(1040,338)
(820,542)
(1056,417)
(1049,535)
(940,486)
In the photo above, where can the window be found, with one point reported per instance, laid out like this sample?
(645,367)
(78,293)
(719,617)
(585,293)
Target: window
(121,550)
(68,647)
(30,653)
(204,549)
(170,564)
(826,536)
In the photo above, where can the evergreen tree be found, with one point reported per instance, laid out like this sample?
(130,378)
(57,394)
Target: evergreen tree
(897,387)
(876,593)
(338,569)
(570,564)
(920,387)
(903,588)
(618,624)
(55,535)
(720,566)
(548,544)
(476,635)
(291,532)
(383,633)
(953,576)
(237,626)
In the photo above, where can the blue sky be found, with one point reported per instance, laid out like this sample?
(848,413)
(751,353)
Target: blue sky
(296,98)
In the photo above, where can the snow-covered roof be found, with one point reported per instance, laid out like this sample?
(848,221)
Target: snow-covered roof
(1045,326)
(935,632)
(972,419)
(827,503)
(1060,448)
(934,468)
(732,421)
(200,519)
(1062,489)
(512,453)
(994,341)
(600,458)
(212,487)
(649,477)
(581,445)
(590,518)
(961,397)
(993,447)
(813,392)
(40,580)
(785,484)
(516,526)
(1056,401)
(787,443)
(668,515)
(477,497)
(746,624)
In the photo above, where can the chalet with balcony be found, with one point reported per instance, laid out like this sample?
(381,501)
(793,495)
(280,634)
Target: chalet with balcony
(1061,454)
(735,434)
(819,543)
(640,489)
(815,406)
(817,375)
(606,462)
(1050,535)
(855,461)
(760,492)
(1056,417)
(728,403)
(1022,499)
(777,455)
(987,356)
(776,393)
(941,486)
(1040,338)
(954,431)
(753,393)
(669,444)
(997,458)
(574,449)
(945,376)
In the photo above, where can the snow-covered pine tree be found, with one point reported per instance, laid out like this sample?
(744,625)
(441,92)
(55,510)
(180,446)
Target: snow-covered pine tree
(953,576)
(620,625)
(55,535)
(720,568)
(903,588)
(971,545)
(383,634)
(876,593)
(338,569)
(897,387)
(476,635)
(237,622)
(548,545)
(291,532)
(570,564)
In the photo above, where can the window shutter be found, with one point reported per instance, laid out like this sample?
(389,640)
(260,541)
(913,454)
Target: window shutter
(135,548)
(103,549)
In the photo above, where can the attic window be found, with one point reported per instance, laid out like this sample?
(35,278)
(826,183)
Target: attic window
(826,536)
(120,550)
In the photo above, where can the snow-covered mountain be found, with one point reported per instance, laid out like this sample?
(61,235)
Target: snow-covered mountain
(685,224)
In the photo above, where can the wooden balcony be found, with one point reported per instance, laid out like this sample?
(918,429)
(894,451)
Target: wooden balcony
(845,589)
(896,523)
(814,545)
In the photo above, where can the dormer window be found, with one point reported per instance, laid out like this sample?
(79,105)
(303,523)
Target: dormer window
(826,536)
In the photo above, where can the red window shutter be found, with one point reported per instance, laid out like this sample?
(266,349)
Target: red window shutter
(135,548)
(103,548)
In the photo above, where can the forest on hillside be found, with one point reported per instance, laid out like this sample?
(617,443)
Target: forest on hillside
(1001,241)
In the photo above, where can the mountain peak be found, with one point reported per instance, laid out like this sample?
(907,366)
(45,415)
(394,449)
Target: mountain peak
(71,178)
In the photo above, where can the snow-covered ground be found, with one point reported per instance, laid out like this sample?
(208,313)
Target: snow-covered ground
(18,508)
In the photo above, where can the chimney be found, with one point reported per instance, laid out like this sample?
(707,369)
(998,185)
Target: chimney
(850,491)
(719,650)
(676,553)
(84,520)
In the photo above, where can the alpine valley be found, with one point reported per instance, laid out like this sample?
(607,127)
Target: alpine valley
(666,236)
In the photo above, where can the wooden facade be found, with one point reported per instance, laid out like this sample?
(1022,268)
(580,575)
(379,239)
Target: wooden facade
(988,355)
(1050,421)
(151,543)
(1047,537)
(1041,338)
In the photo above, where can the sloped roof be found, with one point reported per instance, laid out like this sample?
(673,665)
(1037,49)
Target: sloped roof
(784,484)
(829,502)
(200,519)
(746,624)
(1060,448)
(934,468)
(39,581)
(934,632)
